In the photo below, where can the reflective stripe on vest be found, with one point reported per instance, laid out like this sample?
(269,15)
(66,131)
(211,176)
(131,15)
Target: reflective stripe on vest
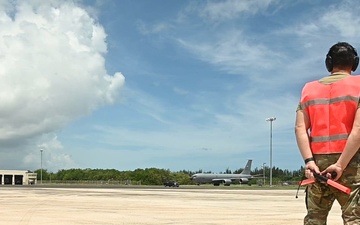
(329,101)
(331,109)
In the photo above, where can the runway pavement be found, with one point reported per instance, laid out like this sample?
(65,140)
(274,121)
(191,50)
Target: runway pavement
(36,205)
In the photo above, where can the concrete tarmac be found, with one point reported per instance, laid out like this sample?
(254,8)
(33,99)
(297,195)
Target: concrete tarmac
(38,205)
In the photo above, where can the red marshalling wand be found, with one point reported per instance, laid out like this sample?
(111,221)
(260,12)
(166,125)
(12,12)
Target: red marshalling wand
(328,181)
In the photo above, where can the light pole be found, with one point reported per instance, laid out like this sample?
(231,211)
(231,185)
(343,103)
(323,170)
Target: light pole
(270,119)
(264,164)
(41,151)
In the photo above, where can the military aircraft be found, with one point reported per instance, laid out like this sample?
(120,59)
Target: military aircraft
(226,179)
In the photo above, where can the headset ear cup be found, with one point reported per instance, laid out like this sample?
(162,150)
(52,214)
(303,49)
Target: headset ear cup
(356,63)
(329,64)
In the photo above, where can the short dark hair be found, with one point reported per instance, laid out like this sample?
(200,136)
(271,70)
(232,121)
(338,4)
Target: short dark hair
(341,55)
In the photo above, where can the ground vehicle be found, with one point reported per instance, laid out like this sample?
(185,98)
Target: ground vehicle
(171,184)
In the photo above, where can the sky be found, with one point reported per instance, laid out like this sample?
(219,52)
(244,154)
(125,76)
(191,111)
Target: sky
(178,85)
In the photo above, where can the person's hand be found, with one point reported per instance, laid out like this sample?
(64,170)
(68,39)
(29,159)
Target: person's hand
(311,167)
(334,168)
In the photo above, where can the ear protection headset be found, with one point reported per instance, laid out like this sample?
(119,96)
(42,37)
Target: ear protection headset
(329,62)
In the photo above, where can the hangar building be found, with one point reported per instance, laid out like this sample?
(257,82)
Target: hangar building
(17,177)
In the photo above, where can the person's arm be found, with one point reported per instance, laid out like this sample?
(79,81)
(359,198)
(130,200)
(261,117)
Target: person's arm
(351,147)
(302,126)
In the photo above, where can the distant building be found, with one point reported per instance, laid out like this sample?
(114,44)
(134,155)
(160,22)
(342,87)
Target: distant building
(17,177)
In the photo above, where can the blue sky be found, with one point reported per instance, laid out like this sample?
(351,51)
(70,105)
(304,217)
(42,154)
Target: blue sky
(168,84)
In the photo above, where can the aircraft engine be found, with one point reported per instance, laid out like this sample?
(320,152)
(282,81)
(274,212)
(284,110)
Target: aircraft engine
(243,181)
(227,181)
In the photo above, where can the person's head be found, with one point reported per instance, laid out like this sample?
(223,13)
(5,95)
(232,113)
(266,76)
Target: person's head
(342,56)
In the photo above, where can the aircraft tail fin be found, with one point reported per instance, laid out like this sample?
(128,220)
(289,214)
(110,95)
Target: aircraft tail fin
(247,168)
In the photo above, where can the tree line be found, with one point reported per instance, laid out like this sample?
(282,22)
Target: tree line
(155,176)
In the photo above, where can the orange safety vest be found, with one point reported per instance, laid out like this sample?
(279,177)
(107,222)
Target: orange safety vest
(331,109)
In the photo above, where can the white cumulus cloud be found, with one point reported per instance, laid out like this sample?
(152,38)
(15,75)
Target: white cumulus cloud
(52,70)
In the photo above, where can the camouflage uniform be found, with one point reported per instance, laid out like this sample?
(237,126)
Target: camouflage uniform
(320,196)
